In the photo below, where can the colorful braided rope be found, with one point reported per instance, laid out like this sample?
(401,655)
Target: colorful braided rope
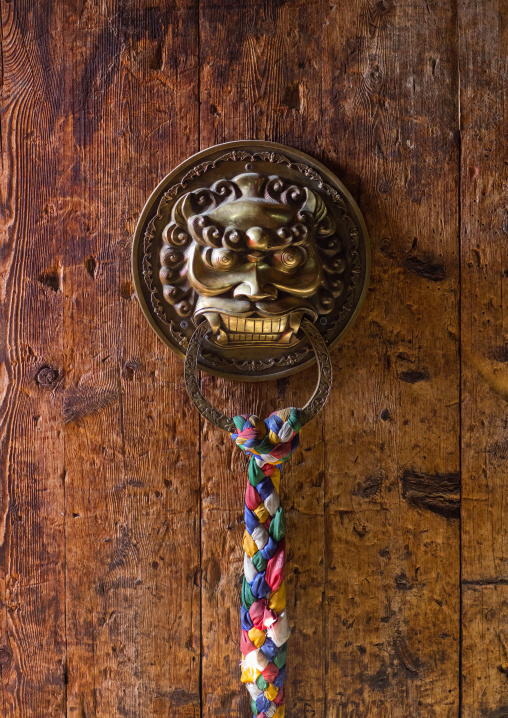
(265,628)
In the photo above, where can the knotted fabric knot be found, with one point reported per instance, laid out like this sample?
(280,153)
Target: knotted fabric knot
(265,628)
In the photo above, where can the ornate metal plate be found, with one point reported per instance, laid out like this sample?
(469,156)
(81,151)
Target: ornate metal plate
(253,237)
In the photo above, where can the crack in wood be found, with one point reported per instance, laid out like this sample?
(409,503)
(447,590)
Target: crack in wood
(439,493)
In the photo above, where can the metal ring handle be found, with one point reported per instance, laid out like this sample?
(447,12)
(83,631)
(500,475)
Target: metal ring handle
(308,412)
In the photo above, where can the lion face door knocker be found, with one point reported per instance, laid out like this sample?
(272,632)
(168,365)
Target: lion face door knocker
(251,260)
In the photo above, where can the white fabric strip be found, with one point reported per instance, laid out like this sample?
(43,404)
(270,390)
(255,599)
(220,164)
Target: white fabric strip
(260,536)
(272,503)
(249,569)
(256,659)
(253,690)
(279,631)
(285,433)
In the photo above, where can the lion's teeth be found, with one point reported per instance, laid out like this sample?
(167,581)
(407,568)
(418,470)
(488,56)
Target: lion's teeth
(253,329)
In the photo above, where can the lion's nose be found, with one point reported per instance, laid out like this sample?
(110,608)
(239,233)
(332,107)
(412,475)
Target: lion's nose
(257,238)
(253,289)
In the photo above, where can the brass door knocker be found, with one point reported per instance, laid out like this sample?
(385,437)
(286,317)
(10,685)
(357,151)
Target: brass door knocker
(251,260)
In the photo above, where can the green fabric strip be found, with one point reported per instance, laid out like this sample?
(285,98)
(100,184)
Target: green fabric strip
(280,658)
(262,683)
(255,473)
(278,525)
(259,562)
(294,420)
(247,597)
(239,421)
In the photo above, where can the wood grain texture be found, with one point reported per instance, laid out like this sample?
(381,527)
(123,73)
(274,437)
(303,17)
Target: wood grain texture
(261,79)
(484,230)
(132,482)
(121,514)
(32,546)
(392,422)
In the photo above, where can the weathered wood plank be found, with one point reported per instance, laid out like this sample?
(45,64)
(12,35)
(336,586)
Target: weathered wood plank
(484,105)
(391,425)
(32,581)
(261,79)
(132,487)
(101,490)
(484,650)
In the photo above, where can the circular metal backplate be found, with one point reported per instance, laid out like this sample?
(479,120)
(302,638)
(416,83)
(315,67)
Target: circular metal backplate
(262,208)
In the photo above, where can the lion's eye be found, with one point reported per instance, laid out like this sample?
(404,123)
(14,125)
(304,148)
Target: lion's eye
(290,258)
(221,259)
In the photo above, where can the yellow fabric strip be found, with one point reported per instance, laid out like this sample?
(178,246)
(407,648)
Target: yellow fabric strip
(274,439)
(275,477)
(257,637)
(277,600)
(249,545)
(271,692)
(260,427)
(262,513)
(249,675)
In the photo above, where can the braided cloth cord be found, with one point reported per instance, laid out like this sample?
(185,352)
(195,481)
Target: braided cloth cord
(265,628)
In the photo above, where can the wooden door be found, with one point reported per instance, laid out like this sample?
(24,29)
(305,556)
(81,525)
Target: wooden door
(120,511)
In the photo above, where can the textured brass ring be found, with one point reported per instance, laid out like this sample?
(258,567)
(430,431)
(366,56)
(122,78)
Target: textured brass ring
(308,412)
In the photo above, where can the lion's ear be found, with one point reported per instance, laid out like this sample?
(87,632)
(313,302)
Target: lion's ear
(182,211)
(324,223)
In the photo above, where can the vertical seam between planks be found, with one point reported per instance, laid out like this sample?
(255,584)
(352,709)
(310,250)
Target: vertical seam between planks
(66,76)
(325,573)
(459,220)
(199,74)
(200,573)
(66,674)
(324,633)
(200,421)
